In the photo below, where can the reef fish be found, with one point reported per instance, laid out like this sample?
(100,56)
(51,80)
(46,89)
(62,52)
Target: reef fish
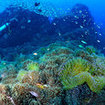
(48,8)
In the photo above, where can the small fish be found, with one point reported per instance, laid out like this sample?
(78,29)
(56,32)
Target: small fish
(80,46)
(34,93)
(37,4)
(40,86)
(84,42)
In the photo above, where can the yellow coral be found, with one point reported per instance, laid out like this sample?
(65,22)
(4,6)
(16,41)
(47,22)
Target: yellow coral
(33,66)
(78,71)
(21,74)
(76,66)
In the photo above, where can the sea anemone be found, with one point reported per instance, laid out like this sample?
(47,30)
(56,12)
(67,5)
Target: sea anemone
(78,71)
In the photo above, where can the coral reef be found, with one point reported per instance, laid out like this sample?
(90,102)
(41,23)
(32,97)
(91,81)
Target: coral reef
(57,72)
(51,62)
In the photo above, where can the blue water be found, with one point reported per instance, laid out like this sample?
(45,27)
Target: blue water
(56,9)
(96,7)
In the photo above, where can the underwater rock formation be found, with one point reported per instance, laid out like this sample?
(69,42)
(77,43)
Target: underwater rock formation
(78,25)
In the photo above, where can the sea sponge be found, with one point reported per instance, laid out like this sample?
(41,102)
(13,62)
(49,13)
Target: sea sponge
(78,71)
